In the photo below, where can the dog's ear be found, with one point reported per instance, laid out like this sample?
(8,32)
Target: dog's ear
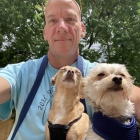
(81,90)
(53,80)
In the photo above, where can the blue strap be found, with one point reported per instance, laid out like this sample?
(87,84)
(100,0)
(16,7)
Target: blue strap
(31,95)
(35,87)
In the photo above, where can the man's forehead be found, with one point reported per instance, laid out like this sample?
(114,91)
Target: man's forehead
(72,3)
(65,12)
(69,1)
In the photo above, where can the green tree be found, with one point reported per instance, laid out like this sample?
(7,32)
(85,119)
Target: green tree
(115,25)
(21,26)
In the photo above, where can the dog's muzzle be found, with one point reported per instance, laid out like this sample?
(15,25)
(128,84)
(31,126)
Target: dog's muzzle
(70,74)
(117,80)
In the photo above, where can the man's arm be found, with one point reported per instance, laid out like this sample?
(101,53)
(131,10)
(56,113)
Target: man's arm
(5,91)
(135,98)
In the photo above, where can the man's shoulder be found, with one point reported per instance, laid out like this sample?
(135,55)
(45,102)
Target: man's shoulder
(29,64)
(87,65)
(22,69)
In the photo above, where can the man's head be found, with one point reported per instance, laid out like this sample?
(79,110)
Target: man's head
(63,28)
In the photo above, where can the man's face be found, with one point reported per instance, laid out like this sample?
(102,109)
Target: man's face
(63,28)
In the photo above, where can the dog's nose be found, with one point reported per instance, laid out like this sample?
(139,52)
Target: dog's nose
(117,80)
(71,72)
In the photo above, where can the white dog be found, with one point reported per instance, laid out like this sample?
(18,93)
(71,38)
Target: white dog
(108,89)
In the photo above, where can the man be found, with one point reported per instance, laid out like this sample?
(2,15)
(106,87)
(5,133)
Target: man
(63,31)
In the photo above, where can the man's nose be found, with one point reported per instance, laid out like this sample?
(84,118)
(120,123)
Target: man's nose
(62,26)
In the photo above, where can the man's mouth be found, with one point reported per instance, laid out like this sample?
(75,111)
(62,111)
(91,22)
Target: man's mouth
(62,40)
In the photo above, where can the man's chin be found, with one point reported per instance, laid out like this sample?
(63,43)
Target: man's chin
(64,54)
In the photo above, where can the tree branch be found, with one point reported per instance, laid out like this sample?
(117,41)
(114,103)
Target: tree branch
(110,12)
(93,39)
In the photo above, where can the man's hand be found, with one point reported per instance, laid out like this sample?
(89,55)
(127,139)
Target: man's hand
(135,98)
(5,91)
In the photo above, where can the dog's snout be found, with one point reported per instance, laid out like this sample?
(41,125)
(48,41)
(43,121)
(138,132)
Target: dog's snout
(71,72)
(117,80)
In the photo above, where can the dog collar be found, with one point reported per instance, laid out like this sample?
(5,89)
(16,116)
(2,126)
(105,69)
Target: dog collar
(58,131)
(111,129)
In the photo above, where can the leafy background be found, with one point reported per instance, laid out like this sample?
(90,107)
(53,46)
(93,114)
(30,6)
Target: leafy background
(112,32)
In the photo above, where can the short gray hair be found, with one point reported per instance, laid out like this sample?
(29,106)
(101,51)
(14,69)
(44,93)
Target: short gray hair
(80,11)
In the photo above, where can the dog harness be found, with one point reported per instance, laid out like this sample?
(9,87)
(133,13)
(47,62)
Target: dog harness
(58,132)
(35,87)
(111,129)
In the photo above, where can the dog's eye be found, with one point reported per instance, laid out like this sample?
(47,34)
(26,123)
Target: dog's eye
(101,74)
(122,75)
(64,70)
(77,72)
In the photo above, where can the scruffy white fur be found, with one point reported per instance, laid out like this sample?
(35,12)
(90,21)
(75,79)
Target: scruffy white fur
(105,95)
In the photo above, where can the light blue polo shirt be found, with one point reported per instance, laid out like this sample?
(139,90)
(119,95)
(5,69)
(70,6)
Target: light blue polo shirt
(21,77)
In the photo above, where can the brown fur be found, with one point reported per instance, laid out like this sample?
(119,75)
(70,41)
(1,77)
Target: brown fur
(72,107)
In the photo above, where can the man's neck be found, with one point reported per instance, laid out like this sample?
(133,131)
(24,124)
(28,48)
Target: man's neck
(58,62)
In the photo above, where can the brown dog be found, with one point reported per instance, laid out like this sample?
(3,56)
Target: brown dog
(67,107)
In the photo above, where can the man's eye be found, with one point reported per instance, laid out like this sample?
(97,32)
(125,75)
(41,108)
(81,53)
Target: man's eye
(52,20)
(101,74)
(70,19)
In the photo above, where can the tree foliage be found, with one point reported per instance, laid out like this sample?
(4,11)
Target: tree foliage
(114,24)
(21,27)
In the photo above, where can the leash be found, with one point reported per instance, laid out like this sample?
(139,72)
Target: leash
(35,87)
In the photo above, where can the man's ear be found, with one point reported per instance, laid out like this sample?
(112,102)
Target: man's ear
(83,32)
(53,80)
(45,34)
(81,90)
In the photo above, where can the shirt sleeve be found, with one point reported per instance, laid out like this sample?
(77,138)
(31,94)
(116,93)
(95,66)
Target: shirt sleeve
(11,73)
(21,78)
